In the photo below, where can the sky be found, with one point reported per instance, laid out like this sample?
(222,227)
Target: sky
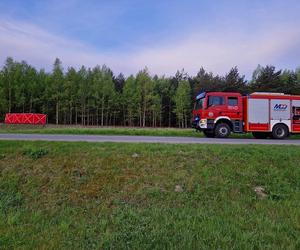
(162,35)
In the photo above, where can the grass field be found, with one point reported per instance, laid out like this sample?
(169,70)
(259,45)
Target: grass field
(52,129)
(57,195)
(79,130)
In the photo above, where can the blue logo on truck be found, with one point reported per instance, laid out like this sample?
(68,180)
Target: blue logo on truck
(280,107)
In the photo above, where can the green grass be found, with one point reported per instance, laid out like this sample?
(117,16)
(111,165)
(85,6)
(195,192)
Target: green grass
(58,195)
(78,130)
(51,129)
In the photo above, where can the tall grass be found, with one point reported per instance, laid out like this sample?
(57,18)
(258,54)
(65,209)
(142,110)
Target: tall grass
(116,196)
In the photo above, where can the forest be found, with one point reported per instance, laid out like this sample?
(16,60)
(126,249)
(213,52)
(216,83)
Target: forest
(95,96)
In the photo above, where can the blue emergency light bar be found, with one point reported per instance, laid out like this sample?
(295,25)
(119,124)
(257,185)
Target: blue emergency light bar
(200,95)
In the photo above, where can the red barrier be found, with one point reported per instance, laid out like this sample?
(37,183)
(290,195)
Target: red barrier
(25,118)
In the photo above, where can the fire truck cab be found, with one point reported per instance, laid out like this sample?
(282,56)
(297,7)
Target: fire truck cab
(218,114)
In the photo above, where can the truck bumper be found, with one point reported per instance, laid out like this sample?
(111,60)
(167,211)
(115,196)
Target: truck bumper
(203,124)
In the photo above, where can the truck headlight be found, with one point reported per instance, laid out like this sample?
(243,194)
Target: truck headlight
(203,121)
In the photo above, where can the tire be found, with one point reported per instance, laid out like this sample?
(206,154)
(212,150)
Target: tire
(209,133)
(222,130)
(260,135)
(280,131)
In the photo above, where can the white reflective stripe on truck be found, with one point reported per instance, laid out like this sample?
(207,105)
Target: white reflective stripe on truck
(221,117)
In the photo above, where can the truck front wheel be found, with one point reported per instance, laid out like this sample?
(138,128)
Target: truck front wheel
(280,131)
(222,130)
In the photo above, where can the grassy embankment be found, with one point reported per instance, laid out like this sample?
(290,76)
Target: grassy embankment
(81,130)
(106,195)
(52,129)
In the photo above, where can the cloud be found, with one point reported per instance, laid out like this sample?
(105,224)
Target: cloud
(217,51)
(28,42)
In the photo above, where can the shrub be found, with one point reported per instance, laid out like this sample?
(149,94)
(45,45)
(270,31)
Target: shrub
(35,153)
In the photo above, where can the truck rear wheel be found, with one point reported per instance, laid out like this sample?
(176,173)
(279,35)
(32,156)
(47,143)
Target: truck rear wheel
(280,131)
(222,130)
(260,135)
(209,133)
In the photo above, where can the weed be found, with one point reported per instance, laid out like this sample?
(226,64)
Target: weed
(10,196)
(35,153)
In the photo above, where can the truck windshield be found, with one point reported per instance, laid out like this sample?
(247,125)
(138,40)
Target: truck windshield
(199,103)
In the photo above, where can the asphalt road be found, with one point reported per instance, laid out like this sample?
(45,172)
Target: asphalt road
(146,139)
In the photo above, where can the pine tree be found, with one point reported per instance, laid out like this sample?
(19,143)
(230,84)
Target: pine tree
(182,100)
(8,82)
(266,79)
(233,82)
(3,106)
(70,93)
(104,93)
(82,94)
(95,96)
(288,82)
(57,86)
(130,101)
(144,90)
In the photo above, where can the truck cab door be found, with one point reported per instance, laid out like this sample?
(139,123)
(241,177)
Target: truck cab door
(215,106)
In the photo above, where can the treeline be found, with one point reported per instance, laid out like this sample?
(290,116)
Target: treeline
(95,96)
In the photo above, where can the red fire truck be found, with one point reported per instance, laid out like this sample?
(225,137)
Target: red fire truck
(274,115)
